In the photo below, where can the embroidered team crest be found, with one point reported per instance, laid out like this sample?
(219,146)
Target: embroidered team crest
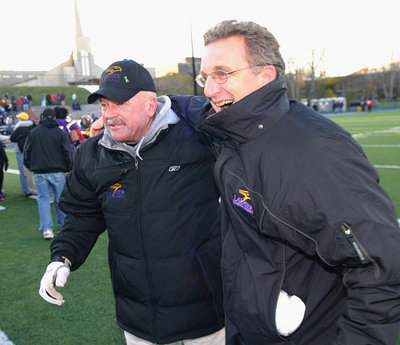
(116,192)
(243,201)
(111,74)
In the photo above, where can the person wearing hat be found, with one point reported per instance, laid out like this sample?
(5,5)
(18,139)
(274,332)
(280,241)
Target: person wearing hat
(21,130)
(48,154)
(148,180)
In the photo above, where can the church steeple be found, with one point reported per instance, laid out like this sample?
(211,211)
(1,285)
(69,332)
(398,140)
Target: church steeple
(84,59)
(78,27)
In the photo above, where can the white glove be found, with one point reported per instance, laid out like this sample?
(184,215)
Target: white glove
(289,313)
(56,274)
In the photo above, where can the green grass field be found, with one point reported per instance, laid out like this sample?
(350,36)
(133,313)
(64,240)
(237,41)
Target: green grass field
(88,315)
(379,135)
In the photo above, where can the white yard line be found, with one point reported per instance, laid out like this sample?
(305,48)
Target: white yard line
(4,340)
(381,145)
(12,171)
(387,166)
(395,130)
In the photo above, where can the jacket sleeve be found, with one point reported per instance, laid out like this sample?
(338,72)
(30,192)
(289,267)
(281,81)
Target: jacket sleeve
(354,226)
(17,135)
(191,109)
(68,152)
(27,152)
(84,220)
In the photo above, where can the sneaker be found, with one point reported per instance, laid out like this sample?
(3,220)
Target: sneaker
(48,234)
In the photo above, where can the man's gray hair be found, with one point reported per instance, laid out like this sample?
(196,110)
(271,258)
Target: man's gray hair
(262,47)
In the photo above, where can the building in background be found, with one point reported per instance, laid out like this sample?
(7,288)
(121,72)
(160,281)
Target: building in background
(78,69)
(182,68)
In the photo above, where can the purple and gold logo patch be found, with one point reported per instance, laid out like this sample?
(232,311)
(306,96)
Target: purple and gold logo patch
(116,192)
(242,201)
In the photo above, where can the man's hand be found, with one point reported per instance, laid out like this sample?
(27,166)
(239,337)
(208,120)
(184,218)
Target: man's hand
(97,127)
(56,274)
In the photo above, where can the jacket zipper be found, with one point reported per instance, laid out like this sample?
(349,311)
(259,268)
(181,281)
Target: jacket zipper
(345,228)
(362,254)
(354,243)
(144,251)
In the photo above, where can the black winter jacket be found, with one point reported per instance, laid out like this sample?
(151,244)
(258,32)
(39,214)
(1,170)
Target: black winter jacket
(21,133)
(302,212)
(47,149)
(163,221)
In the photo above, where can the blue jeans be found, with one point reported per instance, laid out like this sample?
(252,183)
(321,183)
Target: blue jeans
(44,182)
(22,177)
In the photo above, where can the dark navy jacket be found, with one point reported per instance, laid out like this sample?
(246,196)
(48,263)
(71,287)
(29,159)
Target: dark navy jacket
(302,212)
(47,149)
(163,219)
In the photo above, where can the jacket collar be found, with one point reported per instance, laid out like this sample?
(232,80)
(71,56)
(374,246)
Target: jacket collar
(251,116)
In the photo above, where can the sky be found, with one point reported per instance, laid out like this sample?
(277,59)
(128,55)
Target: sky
(344,35)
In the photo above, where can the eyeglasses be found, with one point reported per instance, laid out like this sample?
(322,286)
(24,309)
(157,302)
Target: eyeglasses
(220,77)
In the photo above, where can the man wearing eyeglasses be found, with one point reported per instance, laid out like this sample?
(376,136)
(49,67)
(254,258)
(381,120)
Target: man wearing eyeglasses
(310,240)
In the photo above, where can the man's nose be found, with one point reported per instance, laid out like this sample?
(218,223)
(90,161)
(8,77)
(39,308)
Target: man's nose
(109,110)
(211,87)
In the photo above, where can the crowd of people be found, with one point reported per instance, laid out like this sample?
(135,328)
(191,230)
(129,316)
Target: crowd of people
(17,130)
(239,218)
(11,105)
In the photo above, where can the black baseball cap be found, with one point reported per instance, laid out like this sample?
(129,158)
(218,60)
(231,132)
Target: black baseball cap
(48,112)
(121,81)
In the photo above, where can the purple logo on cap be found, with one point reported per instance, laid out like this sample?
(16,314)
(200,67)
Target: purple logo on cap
(111,74)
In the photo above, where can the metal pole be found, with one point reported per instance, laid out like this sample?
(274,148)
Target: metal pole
(193,63)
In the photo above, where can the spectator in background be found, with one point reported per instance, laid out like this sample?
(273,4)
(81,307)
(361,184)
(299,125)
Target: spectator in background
(69,126)
(62,99)
(376,103)
(369,104)
(76,105)
(53,98)
(48,154)
(10,123)
(30,100)
(58,97)
(13,103)
(86,123)
(43,99)
(25,106)
(3,166)
(22,128)
(20,103)
(48,100)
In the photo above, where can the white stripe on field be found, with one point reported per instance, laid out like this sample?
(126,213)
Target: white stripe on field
(367,134)
(387,166)
(13,171)
(4,340)
(380,145)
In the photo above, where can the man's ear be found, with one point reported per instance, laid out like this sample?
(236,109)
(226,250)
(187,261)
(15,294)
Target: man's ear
(152,106)
(268,73)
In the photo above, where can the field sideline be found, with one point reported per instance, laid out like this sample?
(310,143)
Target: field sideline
(88,315)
